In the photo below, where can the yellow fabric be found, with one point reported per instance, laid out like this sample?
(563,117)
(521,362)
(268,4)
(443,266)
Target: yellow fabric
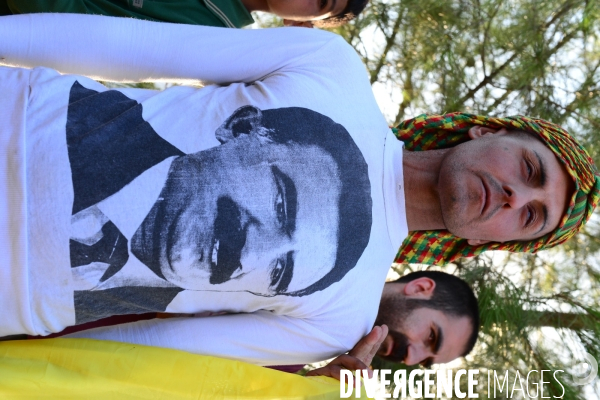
(100,370)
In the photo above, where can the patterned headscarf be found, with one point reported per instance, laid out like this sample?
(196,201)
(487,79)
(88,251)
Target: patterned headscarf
(431,132)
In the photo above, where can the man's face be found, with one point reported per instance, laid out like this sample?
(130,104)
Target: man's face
(421,335)
(306,10)
(249,215)
(502,186)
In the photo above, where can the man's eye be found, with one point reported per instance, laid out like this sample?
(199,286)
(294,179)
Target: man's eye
(529,169)
(285,203)
(530,216)
(280,207)
(323,4)
(282,273)
(277,272)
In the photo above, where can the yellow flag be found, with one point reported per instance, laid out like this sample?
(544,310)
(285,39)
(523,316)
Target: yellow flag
(85,369)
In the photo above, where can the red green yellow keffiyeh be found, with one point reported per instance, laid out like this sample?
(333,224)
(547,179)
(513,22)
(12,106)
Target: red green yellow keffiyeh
(430,132)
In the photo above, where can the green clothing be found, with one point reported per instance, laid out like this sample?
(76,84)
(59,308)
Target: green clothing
(223,13)
(4,10)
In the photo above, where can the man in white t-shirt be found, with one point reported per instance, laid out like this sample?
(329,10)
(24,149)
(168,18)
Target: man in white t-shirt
(499,187)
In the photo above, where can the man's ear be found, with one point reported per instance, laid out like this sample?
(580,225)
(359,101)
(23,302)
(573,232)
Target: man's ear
(477,242)
(479,131)
(420,288)
(244,120)
(302,24)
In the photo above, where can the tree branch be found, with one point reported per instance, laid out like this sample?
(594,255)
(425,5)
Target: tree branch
(488,78)
(388,45)
(561,320)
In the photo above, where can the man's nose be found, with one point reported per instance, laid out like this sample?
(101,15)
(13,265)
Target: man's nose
(518,195)
(417,354)
(263,245)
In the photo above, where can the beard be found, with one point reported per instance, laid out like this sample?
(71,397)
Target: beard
(400,349)
(394,311)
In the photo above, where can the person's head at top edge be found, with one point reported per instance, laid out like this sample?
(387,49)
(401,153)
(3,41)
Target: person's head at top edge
(308,13)
(432,316)
(243,216)
(516,183)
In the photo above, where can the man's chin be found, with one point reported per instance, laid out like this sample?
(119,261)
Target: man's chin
(459,222)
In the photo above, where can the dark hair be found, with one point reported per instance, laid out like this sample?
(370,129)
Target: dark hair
(307,127)
(353,8)
(452,296)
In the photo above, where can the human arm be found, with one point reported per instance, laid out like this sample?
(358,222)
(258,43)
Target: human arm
(122,49)
(260,338)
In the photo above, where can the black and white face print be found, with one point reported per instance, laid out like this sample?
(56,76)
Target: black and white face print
(281,207)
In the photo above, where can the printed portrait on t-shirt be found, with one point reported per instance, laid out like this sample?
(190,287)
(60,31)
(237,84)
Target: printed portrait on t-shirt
(281,207)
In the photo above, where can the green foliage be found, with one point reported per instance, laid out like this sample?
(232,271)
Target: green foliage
(505,57)
(495,57)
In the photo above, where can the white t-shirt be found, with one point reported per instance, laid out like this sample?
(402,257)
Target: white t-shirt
(275,194)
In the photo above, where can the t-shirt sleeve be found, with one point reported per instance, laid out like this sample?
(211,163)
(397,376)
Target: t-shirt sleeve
(121,49)
(261,338)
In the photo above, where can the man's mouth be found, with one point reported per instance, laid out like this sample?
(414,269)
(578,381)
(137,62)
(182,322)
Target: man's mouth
(484,197)
(228,242)
(399,350)
(214,254)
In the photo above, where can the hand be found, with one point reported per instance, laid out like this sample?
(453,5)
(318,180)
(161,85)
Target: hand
(359,357)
